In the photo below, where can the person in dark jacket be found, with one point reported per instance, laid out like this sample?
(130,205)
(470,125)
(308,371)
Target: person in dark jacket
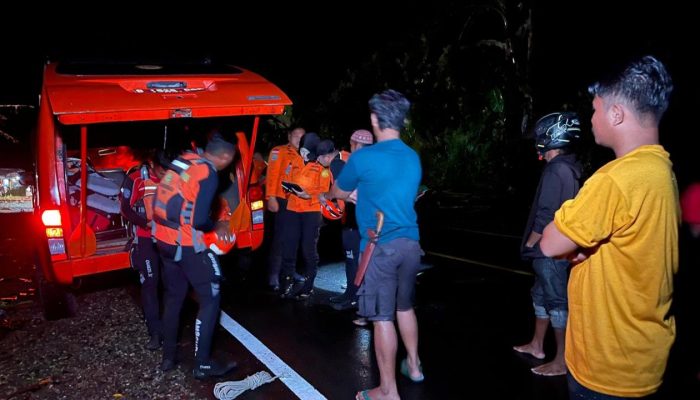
(182,213)
(554,134)
(351,235)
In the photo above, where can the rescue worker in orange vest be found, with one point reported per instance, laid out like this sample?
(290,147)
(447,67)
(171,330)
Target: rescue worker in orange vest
(182,209)
(136,201)
(283,162)
(304,222)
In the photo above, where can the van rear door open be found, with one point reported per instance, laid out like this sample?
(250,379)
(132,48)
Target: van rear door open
(91,110)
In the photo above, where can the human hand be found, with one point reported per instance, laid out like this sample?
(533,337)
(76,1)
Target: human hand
(322,198)
(352,197)
(273,205)
(577,257)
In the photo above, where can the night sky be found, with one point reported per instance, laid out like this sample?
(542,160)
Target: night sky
(305,48)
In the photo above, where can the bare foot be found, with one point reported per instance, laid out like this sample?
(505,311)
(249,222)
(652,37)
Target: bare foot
(531,350)
(376,394)
(554,368)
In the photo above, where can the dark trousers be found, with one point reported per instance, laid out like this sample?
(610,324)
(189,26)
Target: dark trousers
(580,392)
(351,244)
(275,257)
(202,271)
(145,259)
(302,228)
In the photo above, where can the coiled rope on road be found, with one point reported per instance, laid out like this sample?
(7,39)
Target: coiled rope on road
(231,389)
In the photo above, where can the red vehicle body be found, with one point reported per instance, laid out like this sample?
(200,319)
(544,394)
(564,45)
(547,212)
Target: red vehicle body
(104,115)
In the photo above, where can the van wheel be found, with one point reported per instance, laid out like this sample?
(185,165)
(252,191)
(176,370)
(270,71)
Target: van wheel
(56,301)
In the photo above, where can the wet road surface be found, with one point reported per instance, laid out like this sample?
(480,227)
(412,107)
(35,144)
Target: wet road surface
(473,305)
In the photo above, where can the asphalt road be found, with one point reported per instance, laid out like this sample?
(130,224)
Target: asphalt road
(472,304)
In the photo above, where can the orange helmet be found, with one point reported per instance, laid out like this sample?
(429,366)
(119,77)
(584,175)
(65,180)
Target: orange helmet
(332,209)
(218,246)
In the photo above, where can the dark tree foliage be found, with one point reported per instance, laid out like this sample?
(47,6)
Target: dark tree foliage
(466,72)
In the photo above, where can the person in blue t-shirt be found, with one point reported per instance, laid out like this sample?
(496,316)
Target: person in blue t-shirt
(385,177)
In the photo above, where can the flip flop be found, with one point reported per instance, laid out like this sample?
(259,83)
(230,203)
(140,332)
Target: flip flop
(360,321)
(363,395)
(407,373)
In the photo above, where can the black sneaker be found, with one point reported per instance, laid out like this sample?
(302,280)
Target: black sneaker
(155,342)
(286,288)
(211,369)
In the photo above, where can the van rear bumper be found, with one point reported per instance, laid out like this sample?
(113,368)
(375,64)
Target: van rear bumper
(66,270)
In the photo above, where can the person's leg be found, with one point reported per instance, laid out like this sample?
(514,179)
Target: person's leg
(310,230)
(535,347)
(555,277)
(275,257)
(351,245)
(204,273)
(175,290)
(378,303)
(291,235)
(353,242)
(408,327)
(409,252)
(385,345)
(149,273)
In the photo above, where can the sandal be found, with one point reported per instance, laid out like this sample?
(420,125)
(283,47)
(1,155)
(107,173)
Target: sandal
(360,321)
(407,373)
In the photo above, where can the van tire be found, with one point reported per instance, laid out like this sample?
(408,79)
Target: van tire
(56,301)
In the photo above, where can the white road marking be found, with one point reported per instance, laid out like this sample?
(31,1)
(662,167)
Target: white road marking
(483,264)
(298,385)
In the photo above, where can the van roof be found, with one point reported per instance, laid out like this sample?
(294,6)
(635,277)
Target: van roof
(83,93)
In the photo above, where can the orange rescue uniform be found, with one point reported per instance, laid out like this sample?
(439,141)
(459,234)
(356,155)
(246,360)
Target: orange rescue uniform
(283,163)
(175,202)
(314,179)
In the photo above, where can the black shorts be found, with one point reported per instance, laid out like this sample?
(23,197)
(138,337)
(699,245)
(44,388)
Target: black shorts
(389,284)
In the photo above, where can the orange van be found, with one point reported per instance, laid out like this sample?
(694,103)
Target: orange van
(96,120)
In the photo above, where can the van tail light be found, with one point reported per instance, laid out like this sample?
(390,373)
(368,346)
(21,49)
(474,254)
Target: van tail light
(51,218)
(256,205)
(54,232)
(255,195)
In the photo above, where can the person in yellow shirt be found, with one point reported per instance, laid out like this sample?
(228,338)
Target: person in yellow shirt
(283,162)
(621,231)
